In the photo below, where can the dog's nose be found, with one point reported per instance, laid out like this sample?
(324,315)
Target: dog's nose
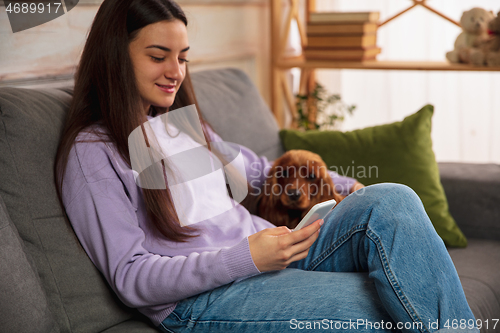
(294,195)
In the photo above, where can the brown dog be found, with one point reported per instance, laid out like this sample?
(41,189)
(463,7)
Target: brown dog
(297,181)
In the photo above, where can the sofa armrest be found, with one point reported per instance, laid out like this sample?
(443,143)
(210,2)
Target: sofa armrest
(473,193)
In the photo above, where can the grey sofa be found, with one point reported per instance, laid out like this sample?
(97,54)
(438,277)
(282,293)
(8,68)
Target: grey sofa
(47,282)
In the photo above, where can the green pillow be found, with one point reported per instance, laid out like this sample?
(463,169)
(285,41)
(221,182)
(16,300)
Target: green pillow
(400,152)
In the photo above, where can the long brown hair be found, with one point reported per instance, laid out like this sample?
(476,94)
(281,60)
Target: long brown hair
(105,93)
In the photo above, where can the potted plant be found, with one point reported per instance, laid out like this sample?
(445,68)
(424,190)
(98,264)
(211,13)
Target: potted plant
(320,110)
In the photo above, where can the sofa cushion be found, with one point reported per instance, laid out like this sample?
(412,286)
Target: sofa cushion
(400,152)
(477,267)
(78,296)
(473,192)
(233,106)
(20,289)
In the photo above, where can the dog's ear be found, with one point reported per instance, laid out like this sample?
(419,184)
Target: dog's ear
(269,203)
(326,191)
(267,186)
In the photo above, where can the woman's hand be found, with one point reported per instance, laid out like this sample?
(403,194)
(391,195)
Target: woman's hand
(276,248)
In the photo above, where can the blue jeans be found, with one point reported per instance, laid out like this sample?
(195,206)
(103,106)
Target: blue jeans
(392,273)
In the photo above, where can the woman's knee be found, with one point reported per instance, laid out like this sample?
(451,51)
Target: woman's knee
(399,192)
(393,193)
(386,208)
(388,199)
(381,200)
(400,206)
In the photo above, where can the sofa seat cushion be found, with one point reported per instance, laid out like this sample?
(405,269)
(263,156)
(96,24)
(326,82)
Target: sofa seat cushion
(478,269)
(473,192)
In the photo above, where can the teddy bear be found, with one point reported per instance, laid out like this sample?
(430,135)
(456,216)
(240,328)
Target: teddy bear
(488,52)
(474,24)
(493,53)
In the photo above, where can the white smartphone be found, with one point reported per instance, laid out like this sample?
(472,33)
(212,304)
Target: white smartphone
(318,211)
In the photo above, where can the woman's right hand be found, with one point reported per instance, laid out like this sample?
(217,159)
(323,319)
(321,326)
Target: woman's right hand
(276,248)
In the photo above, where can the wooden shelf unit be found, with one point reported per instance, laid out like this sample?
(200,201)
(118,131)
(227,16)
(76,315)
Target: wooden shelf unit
(383,65)
(279,64)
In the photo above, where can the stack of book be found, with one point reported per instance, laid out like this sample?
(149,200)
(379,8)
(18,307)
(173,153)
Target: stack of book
(342,36)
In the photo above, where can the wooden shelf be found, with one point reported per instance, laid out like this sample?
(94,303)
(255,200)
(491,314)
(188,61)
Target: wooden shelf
(281,90)
(383,65)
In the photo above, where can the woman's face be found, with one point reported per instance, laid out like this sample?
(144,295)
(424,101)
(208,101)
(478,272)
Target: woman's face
(158,55)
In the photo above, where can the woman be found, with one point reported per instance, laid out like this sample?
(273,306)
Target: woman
(227,272)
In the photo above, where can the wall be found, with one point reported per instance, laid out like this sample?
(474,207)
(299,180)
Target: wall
(236,33)
(467,104)
(222,33)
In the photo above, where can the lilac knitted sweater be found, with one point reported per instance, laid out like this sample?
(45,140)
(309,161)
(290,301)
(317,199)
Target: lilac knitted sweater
(146,270)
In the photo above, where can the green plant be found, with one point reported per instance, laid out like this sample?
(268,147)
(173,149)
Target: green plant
(330,110)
